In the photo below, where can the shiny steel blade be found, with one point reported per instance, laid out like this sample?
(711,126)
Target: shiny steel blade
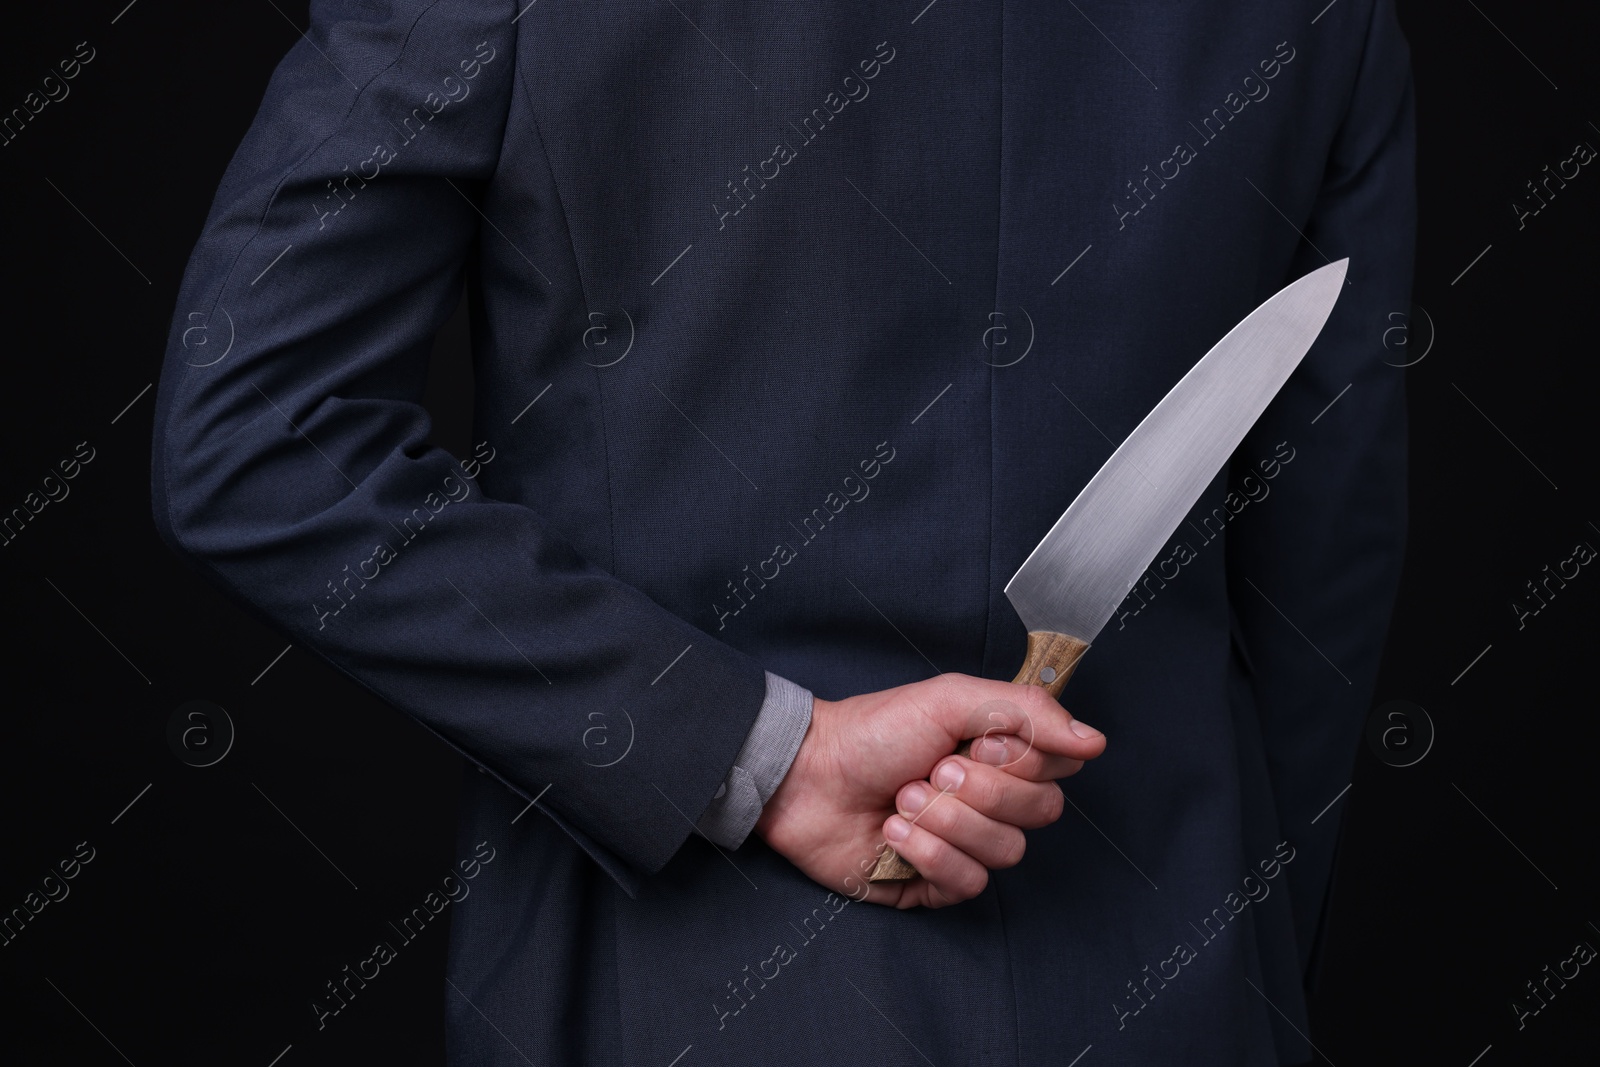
(1074,579)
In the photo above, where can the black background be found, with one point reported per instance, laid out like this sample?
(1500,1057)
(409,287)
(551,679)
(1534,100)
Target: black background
(207,919)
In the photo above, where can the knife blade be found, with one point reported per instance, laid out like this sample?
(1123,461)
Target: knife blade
(1072,582)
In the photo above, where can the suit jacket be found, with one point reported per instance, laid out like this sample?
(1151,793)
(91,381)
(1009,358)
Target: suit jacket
(795,327)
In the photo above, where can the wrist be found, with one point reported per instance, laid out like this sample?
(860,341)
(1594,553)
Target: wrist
(792,790)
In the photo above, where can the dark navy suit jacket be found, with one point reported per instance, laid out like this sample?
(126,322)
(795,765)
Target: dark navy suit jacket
(795,326)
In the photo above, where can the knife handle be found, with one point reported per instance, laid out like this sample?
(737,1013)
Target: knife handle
(1050,661)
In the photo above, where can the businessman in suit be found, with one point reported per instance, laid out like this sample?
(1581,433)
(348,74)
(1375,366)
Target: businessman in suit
(796,327)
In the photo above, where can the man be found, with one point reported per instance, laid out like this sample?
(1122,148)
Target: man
(796,327)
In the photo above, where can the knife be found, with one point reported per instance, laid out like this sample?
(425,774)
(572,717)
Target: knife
(1073,581)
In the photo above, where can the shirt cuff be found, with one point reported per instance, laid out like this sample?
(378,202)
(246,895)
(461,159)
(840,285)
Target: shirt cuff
(761,764)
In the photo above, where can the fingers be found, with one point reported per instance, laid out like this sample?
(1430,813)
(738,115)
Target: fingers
(971,817)
(1018,757)
(970,824)
(993,843)
(988,791)
(951,874)
(956,833)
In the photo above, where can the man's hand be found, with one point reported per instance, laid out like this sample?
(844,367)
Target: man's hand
(863,773)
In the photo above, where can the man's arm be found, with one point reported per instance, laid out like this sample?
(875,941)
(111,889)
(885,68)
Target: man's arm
(1313,568)
(294,469)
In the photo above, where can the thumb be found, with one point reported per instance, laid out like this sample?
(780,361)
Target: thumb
(979,707)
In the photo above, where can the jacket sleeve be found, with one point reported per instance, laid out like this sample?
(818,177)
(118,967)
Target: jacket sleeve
(291,464)
(761,764)
(1314,571)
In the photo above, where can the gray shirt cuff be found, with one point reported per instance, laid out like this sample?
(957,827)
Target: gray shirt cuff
(768,751)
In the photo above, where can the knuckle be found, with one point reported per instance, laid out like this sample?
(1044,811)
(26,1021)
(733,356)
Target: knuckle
(1013,843)
(1036,701)
(1035,708)
(957,688)
(934,855)
(986,791)
(1033,808)
(1028,763)
(1055,801)
(939,817)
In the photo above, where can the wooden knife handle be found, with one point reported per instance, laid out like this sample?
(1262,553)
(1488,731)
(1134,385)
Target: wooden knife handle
(1050,662)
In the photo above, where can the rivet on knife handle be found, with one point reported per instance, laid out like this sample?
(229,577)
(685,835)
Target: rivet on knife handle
(1050,661)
